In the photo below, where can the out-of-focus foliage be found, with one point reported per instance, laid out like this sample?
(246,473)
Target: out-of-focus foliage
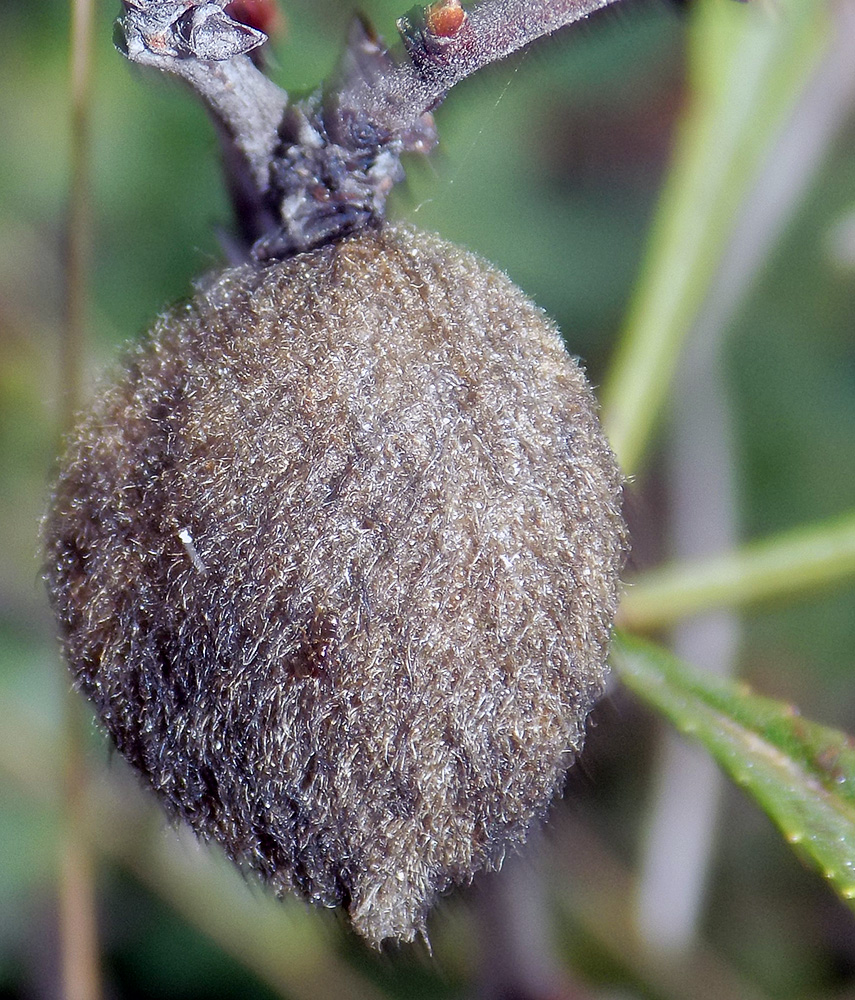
(550,166)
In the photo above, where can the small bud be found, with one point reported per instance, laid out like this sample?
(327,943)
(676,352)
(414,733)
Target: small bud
(444,18)
(336,559)
(263,15)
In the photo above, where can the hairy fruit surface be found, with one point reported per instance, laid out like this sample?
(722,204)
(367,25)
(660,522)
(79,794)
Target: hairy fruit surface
(336,559)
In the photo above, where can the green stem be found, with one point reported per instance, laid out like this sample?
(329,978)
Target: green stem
(747,71)
(785,565)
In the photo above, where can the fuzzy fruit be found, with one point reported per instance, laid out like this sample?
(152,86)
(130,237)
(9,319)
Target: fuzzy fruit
(336,559)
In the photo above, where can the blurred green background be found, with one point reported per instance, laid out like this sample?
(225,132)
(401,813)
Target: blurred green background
(550,166)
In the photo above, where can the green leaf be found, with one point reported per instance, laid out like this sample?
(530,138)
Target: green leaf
(801,773)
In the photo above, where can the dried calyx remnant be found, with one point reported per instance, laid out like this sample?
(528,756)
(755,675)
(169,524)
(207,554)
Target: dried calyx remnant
(335,555)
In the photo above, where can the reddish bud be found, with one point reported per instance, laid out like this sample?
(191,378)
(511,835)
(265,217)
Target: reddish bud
(263,15)
(444,18)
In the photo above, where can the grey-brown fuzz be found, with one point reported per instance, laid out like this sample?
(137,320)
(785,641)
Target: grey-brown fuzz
(336,559)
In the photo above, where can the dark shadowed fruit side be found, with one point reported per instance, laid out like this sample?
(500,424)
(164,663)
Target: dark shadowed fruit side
(336,558)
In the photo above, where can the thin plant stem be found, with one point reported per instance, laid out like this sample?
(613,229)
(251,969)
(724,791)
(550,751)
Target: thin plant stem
(747,71)
(78,937)
(79,206)
(517,954)
(792,563)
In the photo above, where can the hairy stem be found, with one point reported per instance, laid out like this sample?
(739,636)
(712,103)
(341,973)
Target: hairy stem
(441,55)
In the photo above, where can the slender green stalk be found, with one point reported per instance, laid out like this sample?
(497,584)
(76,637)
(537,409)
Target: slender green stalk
(748,69)
(79,209)
(783,566)
(78,936)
